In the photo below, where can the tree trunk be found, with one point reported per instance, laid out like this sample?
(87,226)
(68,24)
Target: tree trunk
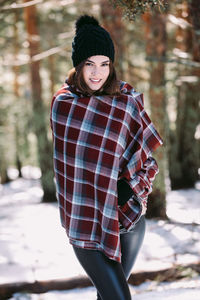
(51,66)
(193,98)
(16,92)
(155,49)
(3,166)
(112,21)
(39,117)
(194,11)
(184,157)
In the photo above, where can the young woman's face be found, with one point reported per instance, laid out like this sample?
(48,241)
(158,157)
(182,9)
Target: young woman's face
(96,71)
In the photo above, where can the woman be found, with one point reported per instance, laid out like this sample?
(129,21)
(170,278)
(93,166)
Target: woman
(103,140)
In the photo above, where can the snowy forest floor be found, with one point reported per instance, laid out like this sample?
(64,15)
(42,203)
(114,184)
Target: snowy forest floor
(34,247)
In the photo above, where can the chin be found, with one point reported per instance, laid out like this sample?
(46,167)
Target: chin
(95,88)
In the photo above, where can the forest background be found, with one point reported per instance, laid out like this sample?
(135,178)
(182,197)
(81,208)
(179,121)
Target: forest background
(158,52)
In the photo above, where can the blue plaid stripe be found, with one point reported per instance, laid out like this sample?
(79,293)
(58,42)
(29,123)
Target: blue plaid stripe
(98,140)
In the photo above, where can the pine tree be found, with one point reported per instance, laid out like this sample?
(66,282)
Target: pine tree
(184,154)
(112,21)
(39,117)
(156,37)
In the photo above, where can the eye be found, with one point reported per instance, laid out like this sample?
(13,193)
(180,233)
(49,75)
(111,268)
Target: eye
(88,64)
(105,64)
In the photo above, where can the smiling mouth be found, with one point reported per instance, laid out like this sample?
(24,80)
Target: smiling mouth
(95,80)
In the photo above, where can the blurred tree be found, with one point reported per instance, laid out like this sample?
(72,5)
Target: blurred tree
(112,20)
(55,61)
(4,164)
(184,154)
(16,90)
(5,103)
(155,50)
(86,7)
(194,11)
(51,68)
(133,8)
(156,38)
(44,147)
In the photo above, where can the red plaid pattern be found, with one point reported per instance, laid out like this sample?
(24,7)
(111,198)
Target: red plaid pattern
(98,140)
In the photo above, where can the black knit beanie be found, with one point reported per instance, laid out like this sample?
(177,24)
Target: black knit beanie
(90,39)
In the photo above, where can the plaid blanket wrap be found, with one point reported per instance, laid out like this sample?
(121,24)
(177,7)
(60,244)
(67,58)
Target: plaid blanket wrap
(98,140)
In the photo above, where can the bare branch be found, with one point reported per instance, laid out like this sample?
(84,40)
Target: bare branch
(66,2)
(47,53)
(21,5)
(65,35)
(174,60)
(179,21)
(34,2)
(36,57)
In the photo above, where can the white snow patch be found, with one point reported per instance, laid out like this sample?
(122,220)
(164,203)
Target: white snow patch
(34,246)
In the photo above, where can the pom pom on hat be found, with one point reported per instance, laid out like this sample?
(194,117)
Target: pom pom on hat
(85,20)
(90,39)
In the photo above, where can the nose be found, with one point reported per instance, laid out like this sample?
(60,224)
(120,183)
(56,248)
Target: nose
(95,71)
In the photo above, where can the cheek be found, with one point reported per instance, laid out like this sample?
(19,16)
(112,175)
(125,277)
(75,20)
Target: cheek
(107,73)
(85,75)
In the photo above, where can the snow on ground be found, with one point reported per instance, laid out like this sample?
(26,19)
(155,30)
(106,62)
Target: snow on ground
(33,245)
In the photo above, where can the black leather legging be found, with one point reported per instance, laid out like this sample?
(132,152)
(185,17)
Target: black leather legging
(108,276)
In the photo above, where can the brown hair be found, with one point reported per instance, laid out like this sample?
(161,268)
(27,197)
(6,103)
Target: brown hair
(76,81)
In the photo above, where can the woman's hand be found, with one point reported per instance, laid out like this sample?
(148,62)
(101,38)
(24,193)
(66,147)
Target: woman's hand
(144,206)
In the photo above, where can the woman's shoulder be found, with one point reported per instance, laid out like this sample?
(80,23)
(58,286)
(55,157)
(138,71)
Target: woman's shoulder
(64,93)
(131,95)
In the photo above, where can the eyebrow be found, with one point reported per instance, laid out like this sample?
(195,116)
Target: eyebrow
(103,62)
